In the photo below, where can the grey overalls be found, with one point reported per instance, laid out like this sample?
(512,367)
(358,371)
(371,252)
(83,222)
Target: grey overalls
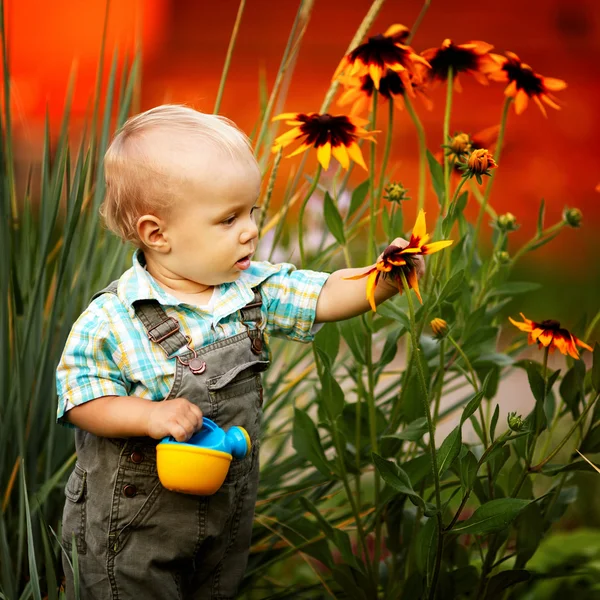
(136,539)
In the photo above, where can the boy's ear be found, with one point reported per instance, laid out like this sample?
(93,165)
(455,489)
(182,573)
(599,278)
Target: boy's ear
(150,229)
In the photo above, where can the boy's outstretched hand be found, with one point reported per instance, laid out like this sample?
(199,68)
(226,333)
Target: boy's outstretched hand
(178,417)
(342,298)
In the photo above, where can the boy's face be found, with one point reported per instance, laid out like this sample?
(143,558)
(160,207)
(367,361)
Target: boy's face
(210,234)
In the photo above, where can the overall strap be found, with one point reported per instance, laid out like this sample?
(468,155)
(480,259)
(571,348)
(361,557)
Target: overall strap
(111,288)
(160,328)
(251,314)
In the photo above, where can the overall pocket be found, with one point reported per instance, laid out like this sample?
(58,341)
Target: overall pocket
(74,513)
(237,399)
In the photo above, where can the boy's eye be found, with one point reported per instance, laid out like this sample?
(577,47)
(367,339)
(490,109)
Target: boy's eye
(231,220)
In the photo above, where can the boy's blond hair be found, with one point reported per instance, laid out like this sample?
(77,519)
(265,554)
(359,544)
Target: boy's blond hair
(137,183)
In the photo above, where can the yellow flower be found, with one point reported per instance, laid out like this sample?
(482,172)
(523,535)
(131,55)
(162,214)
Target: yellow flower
(439,327)
(478,163)
(524,84)
(551,335)
(380,53)
(328,134)
(396,260)
(472,57)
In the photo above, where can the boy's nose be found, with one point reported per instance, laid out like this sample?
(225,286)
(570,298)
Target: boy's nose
(249,233)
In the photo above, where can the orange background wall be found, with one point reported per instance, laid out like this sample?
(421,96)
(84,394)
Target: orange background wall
(184,44)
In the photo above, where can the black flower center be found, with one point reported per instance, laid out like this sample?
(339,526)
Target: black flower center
(550,324)
(524,77)
(460,59)
(379,50)
(323,129)
(389,85)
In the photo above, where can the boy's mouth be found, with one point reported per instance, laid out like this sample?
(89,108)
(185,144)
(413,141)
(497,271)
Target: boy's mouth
(244,263)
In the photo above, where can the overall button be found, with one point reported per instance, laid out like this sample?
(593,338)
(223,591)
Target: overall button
(257,345)
(129,490)
(136,457)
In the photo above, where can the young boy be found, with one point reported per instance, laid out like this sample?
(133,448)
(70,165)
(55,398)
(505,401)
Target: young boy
(179,336)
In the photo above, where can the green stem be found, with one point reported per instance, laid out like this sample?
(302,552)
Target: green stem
(386,152)
(473,383)
(566,438)
(449,86)
(371,250)
(372,409)
(488,274)
(310,192)
(271,185)
(454,198)
(533,241)
(488,189)
(418,20)
(431,429)
(422,151)
(232,40)
(440,381)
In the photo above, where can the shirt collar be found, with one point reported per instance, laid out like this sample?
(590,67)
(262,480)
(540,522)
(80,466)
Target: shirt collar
(228,297)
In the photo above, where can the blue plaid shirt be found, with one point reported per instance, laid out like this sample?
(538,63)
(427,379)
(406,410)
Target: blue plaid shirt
(108,351)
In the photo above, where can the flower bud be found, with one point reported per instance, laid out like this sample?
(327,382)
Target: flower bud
(502,257)
(480,161)
(507,222)
(515,422)
(439,328)
(573,217)
(459,146)
(396,192)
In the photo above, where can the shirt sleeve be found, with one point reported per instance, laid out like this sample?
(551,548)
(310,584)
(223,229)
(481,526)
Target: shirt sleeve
(88,367)
(292,296)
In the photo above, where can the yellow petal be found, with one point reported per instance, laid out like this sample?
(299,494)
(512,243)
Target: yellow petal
(299,150)
(375,71)
(341,155)
(289,136)
(361,275)
(582,344)
(521,326)
(356,155)
(436,246)
(521,100)
(420,229)
(413,282)
(545,337)
(284,116)
(324,155)
(371,285)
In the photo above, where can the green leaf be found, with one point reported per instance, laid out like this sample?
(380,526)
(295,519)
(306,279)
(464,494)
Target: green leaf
(467,470)
(412,432)
(391,310)
(340,539)
(427,548)
(390,348)
(536,383)
(530,528)
(596,368)
(353,332)
(540,221)
(358,197)
(437,177)
(500,582)
(333,220)
(571,387)
(396,478)
(492,517)
(472,406)
(306,442)
(578,465)
(453,287)
(327,340)
(33,572)
(591,442)
(456,210)
(512,288)
(331,393)
(449,450)
(494,421)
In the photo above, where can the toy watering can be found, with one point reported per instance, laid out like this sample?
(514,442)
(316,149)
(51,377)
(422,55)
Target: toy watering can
(199,466)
